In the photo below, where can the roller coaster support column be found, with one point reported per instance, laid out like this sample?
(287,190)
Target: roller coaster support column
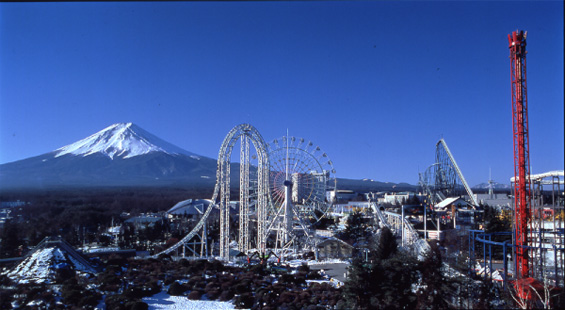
(522,191)
(243,244)
(225,209)
(287,211)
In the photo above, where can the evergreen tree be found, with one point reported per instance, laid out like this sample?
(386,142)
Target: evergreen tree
(383,283)
(357,290)
(385,246)
(397,275)
(413,200)
(355,228)
(10,240)
(496,222)
(434,287)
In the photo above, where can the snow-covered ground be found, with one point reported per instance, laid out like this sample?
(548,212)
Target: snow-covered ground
(162,301)
(327,261)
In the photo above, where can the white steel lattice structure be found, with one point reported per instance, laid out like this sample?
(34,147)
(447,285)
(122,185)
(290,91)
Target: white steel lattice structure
(444,179)
(285,194)
(254,193)
(247,135)
(301,173)
(402,227)
(546,234)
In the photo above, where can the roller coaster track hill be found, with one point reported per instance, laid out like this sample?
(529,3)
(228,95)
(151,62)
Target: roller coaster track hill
(245,134)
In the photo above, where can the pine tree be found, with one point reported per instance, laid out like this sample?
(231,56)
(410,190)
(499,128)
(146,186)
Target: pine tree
(434,285)
(355,228)
(357,290)
(383,283)
(385,245)
(10,240)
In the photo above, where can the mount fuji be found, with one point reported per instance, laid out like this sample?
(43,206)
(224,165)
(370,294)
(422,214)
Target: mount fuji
(123,140)
(122,154)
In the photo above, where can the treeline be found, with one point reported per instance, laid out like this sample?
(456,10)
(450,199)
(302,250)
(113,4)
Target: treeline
(80,215)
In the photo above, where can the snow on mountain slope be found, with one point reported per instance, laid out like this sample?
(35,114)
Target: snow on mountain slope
(495,185)
(123,140)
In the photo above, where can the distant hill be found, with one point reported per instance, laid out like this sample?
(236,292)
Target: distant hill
(495,185)
(367,185)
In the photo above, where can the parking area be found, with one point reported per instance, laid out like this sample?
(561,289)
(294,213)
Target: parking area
(337,271)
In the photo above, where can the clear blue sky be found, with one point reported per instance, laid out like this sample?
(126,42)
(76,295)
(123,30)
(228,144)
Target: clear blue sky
(374,84)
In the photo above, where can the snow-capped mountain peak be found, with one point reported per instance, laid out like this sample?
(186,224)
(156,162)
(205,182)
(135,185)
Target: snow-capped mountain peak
(122,140)
(495,185)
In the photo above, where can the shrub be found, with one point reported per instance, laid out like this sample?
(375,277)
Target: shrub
(226,295)
(304,268)
(287,297)
(115,302)
(244,300)
(195,295)
(314,275)
(138,292)
(169,280)
(304,295)
(227,285)
(116,260)
(109,282)
(6,298)
(165,257)
(194,280)
(177,289)
(137,305)
(64,274)
(242,287)
(216,265)
(200,286)
(71,296)
(89,301)
(286,278)
(258,269)
(300,279)
(213,294)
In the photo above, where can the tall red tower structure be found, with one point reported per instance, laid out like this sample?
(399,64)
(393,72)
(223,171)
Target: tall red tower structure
(522,188)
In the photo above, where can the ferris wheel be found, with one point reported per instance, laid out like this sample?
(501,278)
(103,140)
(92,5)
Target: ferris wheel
(301,172)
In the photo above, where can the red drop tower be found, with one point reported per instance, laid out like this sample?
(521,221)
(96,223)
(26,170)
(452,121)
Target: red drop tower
(522,188)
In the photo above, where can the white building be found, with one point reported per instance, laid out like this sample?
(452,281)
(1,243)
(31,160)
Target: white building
(341,195)
(396,198)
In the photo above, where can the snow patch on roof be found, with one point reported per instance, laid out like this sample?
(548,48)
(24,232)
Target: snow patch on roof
(40,267)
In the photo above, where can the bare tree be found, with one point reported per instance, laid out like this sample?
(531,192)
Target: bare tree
(526,296)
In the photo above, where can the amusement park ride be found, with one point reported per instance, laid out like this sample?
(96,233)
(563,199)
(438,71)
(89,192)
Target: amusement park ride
(444,179)
(537,243)
(283,185)
(282,191)
(522,188)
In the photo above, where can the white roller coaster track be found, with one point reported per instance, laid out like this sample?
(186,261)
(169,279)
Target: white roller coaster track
(458,171)
(222,189)
(538,177)
(401,226)
(268,213)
